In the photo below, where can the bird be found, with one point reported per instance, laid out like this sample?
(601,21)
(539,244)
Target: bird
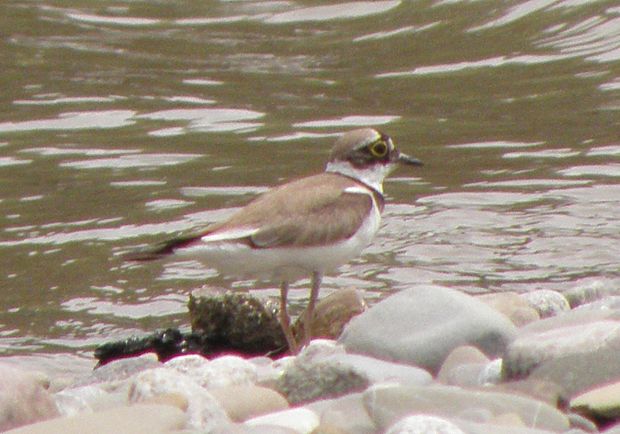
(306,227)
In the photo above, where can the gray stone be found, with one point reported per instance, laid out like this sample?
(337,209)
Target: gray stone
(327,372)
(498,426)
(576,373)
(610,302)
(136,419)
(585,293)
(23,398)
(547,302)
(422,325)
(88,399)
(424,424)
(387,404)
(311,376)
(203,410)
(535,348)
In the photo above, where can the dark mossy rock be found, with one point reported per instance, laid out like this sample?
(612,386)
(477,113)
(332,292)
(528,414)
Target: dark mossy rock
(165,343)
(222,322)
(236,321)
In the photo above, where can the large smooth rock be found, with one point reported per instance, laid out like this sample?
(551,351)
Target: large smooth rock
(204,412)
(388,404)
(422,325)
(23,398)
(137,419)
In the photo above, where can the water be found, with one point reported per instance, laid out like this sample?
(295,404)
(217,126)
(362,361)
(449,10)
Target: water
(124,122)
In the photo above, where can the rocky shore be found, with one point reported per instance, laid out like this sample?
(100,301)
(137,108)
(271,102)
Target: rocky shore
(424,360)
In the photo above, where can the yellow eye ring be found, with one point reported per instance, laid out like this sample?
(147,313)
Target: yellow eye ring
(378,149)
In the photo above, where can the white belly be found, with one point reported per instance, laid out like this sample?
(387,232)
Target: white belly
(235,259)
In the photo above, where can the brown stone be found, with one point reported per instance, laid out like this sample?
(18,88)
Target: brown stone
(332,313)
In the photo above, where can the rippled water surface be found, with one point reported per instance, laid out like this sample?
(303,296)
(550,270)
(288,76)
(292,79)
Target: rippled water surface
(124,122)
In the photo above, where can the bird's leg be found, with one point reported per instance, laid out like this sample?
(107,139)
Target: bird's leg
(285,321)
(314,295)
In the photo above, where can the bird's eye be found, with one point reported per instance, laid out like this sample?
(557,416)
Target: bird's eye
(378,149)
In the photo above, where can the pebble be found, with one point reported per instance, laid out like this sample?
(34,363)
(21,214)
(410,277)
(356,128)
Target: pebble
(301,420)
(387,404)
(324,370)
(585,293)
(332,313)
(422,325)
(463,367)
(203,410)
(423,424)
(136,419)
(220,372)
(544,348)
(245,402)
(547,302)
(23,398)
(512,305)
(343,387)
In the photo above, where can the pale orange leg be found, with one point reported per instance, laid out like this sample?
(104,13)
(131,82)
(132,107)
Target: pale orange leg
(285,320)
(314,295)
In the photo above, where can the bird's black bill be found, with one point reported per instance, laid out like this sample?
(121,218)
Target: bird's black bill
(406,159)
